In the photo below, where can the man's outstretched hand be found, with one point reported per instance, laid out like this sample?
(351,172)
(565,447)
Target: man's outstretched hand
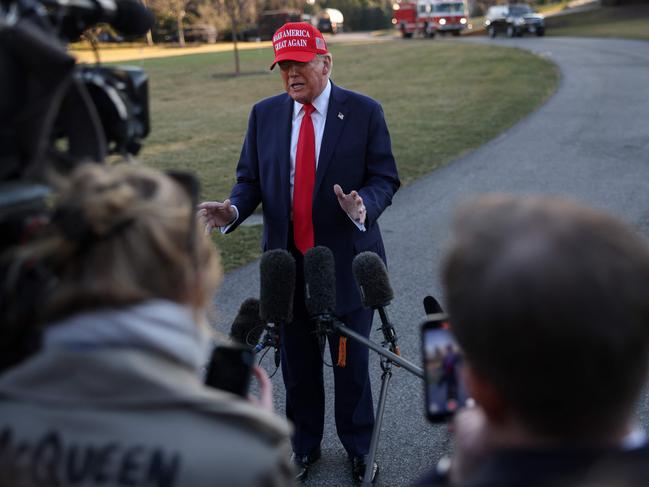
(352,204)
(216,214)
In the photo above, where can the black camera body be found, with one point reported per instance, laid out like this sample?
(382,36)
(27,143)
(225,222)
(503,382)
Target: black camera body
(121,97)
(55,114)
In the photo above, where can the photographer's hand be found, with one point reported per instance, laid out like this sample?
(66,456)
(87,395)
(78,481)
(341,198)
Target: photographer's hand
(216,214)
(471,443)
(265,399)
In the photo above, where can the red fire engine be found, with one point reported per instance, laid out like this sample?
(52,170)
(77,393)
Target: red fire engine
(428,17)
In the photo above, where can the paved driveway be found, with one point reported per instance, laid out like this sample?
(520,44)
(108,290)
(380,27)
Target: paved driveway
(590,142)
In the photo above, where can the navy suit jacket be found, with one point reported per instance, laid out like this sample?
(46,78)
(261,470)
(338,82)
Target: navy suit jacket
(355,153)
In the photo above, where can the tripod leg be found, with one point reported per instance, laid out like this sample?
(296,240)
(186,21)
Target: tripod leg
(378,421)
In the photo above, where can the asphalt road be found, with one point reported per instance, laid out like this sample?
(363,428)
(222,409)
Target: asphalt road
(589,142)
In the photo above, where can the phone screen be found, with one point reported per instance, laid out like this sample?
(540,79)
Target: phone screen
(230,369)
(444,391)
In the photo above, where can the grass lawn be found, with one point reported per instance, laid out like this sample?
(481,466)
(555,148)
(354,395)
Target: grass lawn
(440,100)
(631,22)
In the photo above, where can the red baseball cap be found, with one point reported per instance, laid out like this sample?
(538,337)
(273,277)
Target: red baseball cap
(297,41)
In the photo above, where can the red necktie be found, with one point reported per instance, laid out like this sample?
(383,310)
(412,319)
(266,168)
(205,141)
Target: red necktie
(304,183)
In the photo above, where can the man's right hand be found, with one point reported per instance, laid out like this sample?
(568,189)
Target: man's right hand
(216,214)
(472,443)
(265,399)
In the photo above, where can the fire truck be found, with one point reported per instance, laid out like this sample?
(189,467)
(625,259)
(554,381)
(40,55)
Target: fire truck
(430,17)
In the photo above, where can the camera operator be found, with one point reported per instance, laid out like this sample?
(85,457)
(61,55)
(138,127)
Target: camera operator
(115,396)
(550,302)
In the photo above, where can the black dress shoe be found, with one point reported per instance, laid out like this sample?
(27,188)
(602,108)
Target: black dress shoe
(358,469)
(303,462)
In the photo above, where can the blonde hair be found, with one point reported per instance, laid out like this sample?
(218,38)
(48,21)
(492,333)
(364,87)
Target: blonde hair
(122,235)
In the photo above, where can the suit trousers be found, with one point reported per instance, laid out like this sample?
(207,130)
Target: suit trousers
(302,365)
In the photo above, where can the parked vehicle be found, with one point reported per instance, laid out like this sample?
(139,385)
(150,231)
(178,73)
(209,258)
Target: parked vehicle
(330,20)
(196,33)
(201,33)
(514,20)
(430,17)
(268,22)
(108,35)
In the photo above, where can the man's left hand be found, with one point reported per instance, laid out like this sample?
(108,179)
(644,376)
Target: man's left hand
(352,204)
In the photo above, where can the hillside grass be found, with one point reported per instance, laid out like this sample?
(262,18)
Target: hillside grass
(630,22)
(441,100)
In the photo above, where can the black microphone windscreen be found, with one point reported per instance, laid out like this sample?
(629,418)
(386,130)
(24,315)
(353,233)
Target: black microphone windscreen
(247,326)
(372,279)
(132,18)
(320,281)
(432,306)
(277,277)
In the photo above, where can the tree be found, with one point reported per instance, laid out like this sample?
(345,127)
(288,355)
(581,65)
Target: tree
(238,12)
(281,4)
(177,9)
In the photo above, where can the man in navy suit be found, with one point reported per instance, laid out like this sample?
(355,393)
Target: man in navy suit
(319,159)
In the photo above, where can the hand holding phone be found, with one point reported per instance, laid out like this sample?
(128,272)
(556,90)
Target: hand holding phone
(230,368)
(471,443)
(265,399)
(444,391)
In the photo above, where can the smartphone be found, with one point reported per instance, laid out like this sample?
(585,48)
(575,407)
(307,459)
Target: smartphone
(230,369)
(444,389)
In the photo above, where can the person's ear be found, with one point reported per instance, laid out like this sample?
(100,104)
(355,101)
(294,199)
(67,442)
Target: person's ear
(326,64)
(485,394)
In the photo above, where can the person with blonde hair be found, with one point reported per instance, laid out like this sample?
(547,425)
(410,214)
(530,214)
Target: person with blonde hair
(114,396)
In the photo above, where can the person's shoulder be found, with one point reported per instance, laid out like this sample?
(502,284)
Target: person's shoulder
(221,405)
(249,437)
(624,468)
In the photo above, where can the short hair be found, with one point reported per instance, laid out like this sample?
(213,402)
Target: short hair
(122,236)
(550,303)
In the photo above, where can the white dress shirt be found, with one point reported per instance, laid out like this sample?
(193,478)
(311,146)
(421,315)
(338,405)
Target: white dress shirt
(318,117)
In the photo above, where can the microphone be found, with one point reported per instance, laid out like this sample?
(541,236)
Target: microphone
(277,279)
(372,279)
(247,326)
(320,281)
(320,289)
(129,17)
(277,276)
(432,306)
(376,293)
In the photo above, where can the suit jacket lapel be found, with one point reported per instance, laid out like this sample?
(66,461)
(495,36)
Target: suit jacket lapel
(283,130)
(336,119)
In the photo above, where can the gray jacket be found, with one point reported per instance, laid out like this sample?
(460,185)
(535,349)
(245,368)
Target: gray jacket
(129,417)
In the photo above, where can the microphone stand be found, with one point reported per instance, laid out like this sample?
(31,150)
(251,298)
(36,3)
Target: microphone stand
(338,327)
(388,357)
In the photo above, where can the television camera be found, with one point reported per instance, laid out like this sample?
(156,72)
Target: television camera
(54,115)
